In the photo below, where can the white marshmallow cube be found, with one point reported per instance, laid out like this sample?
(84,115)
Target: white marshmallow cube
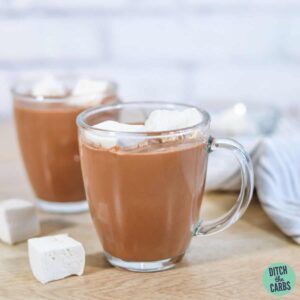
(48,86)
(55,257)
(110,140)
(87,86)
(18,221)
(165,120)
(91,92)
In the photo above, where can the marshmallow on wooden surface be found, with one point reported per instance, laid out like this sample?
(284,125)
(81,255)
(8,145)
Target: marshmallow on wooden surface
(48,86)
(18,221)
(165,120)
(111,141)
(55,257)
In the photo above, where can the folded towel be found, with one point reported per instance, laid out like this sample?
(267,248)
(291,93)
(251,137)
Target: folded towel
(277,181)
(276,162)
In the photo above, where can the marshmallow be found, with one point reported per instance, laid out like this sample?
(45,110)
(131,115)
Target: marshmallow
(111,141)
(90,92)
(18,221)
(48,86)
(55,257)
(87,86)
(165,120)
(120,127)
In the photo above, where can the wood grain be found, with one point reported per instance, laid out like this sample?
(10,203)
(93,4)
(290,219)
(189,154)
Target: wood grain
(225,266)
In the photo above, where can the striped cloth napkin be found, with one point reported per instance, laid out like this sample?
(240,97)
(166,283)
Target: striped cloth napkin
(276,162)
(277,180)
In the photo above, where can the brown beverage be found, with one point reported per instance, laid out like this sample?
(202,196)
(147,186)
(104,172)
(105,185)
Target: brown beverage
(145,187)
(48,140)
(145,204)
(49,146)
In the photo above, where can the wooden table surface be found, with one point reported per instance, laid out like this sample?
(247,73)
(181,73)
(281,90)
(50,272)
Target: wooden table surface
(224,266)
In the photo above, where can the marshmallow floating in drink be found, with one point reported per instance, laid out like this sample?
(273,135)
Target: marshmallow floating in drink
(109,139)
(48,86)
(158,120)
(91,92)
(165,120)
(87,86)
(55,257)
(18,221)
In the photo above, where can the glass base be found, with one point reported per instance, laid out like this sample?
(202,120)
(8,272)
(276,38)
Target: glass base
(146,267)
(63,207)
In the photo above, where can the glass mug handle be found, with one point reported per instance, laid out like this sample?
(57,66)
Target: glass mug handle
(247,184)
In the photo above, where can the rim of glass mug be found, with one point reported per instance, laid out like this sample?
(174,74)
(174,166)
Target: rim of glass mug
(205,122)
(25,84)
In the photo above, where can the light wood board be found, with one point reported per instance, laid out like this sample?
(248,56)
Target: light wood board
(224,266)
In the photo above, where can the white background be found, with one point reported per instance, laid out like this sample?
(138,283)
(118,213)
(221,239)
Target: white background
(172,50)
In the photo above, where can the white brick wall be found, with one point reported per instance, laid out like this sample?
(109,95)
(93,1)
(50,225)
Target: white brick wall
(195,39)
(68,4)
(292,39)
(285,5)
(274,84)
(40,39)
(180,50)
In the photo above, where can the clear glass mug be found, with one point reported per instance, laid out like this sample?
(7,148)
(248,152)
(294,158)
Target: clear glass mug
(145,188)
(47,134)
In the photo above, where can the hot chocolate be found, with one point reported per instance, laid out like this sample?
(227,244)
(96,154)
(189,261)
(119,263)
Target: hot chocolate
(144,174)
(49,145)
(144,204)
(47,133)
